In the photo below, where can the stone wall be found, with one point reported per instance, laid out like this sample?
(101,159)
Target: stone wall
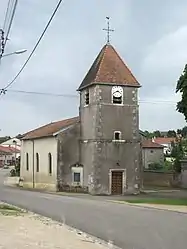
(68,157)
(160,179)
(184,173)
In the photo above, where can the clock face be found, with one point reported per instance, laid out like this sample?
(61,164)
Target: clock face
(117,91)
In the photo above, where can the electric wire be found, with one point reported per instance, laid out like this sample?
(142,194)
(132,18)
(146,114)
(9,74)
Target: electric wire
(35,47)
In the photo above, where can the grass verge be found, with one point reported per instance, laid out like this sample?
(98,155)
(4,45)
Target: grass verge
(161,201)
(8,210)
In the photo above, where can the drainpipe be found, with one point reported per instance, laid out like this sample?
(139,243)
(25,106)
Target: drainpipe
(33,179)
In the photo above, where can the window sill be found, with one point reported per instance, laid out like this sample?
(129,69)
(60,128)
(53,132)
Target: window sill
(118,141)
(118,104)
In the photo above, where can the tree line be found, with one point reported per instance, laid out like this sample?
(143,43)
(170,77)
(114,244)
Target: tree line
(169,133)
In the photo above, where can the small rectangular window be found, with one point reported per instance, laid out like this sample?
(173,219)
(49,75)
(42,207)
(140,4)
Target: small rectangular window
(117,135)
(87,98)
(77,177)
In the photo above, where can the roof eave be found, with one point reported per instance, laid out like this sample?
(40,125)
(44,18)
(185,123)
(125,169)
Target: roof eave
(35,138)
(109,84)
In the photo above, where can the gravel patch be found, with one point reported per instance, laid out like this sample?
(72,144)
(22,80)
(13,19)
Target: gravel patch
(34,231)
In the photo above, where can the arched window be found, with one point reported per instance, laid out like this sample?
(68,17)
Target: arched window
(37,162)
(27,161)
(50,163)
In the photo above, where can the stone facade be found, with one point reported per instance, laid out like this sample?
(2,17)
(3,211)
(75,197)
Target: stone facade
(100,153)
(152,155)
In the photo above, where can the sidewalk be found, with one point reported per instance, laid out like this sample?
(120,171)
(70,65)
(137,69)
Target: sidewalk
(174,208)
(35,232)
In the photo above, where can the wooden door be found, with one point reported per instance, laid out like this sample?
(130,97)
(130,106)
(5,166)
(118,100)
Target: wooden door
(117,183)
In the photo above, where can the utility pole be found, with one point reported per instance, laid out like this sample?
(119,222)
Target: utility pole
(2,42)
(15,143)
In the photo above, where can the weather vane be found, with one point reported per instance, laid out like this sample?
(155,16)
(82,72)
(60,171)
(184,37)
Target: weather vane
(108,30)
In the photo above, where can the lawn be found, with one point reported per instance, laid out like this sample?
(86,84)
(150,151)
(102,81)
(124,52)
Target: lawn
(163,201)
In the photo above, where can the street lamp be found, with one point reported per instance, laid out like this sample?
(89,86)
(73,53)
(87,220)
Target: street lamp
(16,52)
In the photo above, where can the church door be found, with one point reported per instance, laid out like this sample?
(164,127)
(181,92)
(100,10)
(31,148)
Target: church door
(117,183)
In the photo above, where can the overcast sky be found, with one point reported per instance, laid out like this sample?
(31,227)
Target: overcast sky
(150,36)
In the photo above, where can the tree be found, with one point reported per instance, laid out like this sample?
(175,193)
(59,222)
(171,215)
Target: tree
(4,139)
(171,133)
(179,131)
(148,134)
(182,88)
(178,152)
(157,133)
(184,131)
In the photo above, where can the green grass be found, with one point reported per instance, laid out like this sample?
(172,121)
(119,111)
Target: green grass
(163,201)
(7,210)
(8,207)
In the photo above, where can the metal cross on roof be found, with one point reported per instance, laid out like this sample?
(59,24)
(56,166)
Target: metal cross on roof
(108,30)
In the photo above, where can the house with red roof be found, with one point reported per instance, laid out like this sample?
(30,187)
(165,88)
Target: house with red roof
(99,151)
(166,142)
(8,155)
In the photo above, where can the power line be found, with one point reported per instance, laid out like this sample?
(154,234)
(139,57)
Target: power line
(143,101)
(4,34)
(44,93)
(6,14)
(24,65)
(11,20)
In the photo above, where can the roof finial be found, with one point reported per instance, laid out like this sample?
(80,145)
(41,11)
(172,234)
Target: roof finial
(108,29)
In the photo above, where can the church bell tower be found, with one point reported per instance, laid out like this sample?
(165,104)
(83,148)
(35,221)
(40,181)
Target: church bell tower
(109,120)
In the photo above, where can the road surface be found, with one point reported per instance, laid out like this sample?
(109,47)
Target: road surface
(129,227)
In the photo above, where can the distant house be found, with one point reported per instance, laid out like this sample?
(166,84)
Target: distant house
(7,155)
(12,142)
(151,153)
(166,142)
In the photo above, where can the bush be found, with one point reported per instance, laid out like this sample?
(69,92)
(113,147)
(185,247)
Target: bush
(13,172)
(168,165)
(16,171)
(155,166)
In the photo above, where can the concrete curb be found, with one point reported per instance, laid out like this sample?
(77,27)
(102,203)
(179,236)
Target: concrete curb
(148,207)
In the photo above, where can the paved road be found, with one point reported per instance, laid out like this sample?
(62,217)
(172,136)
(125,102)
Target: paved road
(129,227)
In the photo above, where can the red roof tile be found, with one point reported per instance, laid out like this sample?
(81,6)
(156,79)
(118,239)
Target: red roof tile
(8,149)
(109,68)
(164,140)
(50,129)
(149,144)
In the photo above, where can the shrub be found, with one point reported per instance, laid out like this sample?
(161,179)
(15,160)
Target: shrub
(155,166)
(13,172)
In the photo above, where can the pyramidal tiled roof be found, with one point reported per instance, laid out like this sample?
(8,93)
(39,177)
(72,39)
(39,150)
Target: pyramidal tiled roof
(109,68)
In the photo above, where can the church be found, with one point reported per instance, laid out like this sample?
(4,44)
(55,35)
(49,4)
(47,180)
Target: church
(98,152)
